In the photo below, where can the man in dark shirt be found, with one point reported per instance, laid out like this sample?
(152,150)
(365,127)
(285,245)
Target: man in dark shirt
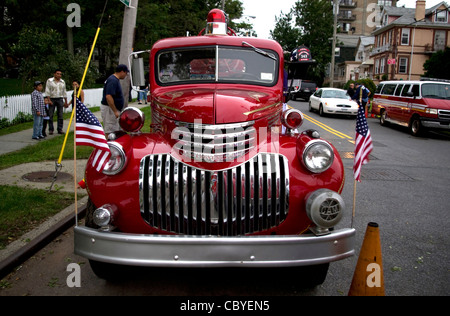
(351,90)
(113,100)
(361,95)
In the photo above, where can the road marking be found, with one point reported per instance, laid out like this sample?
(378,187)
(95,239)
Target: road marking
(327,128)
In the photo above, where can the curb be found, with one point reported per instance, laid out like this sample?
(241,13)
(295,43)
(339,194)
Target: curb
(25,252)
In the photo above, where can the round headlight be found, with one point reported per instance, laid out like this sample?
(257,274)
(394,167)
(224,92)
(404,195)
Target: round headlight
(318,156)
(117,161)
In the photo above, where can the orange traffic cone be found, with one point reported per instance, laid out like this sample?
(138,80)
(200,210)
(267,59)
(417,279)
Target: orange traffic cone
(368,277)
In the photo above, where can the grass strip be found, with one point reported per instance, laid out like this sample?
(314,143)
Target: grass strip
(23,209)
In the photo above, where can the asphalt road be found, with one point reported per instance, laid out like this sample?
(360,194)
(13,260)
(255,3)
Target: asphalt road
(405,189)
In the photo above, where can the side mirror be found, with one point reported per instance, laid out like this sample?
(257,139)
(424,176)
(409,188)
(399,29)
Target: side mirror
(137,74)
(410,94)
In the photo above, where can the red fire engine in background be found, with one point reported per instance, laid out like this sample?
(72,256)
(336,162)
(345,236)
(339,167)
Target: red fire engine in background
(224,178)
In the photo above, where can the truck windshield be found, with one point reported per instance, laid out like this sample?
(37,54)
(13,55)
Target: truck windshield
(436,91)
(216,64)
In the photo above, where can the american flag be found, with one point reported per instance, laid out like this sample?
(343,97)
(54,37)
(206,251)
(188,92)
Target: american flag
(89,132)
(363,143)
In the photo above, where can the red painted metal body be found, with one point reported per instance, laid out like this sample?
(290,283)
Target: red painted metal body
(213,103)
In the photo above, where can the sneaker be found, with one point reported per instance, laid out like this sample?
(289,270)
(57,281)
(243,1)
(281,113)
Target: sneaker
(42,137)
(35,138)
(60,133)
(51,133)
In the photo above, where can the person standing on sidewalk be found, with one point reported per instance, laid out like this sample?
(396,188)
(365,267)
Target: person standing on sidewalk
(113,100)
(56,90)
(47,103)
(37,108)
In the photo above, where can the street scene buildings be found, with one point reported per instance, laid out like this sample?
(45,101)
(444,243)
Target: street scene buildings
(381,41)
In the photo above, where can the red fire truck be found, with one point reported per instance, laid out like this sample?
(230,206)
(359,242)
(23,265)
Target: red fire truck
(224,178)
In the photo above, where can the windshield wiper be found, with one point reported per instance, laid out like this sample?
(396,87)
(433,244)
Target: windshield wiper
(259,51)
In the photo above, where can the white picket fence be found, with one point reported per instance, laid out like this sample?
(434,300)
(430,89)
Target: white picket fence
(10,106)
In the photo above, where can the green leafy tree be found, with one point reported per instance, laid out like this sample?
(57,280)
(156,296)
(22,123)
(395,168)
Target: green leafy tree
(315,19)
(438,66)
(41,52)
(285,32)
(156,19)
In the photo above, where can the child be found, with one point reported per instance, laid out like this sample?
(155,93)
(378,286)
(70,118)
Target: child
(37,108)
(47,102)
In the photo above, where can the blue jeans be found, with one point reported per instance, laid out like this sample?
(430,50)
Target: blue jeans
(38,122)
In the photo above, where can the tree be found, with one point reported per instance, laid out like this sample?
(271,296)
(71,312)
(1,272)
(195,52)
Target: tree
(315,19)
(41,52)
(285,32)
(438,66)
(156,19)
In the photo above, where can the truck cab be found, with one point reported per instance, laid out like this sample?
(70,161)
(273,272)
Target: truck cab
(225,178)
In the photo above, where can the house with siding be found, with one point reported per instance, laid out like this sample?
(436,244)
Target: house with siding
(407,38)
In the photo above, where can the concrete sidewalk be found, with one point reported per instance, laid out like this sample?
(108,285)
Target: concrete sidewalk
(20,250)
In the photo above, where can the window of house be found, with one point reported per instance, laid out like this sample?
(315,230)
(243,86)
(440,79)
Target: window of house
(442,16)
(439,40)
(403,65)
(382,65)
(405,36)
(377,66)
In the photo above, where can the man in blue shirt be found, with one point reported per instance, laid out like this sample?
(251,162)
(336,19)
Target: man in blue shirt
(361,95)
(113,100)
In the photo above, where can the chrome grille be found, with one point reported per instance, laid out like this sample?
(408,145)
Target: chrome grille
(214,143)
(443,114)
(249,198)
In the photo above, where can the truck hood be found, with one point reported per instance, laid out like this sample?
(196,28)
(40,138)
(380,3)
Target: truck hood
(218,106)
(438,103)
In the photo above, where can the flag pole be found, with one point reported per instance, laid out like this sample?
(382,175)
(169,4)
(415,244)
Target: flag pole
(355,181)
(354,202)
(79,92)
(82,81)
(74,104)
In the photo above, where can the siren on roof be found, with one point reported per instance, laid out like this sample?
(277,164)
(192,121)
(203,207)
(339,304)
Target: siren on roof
(216,23)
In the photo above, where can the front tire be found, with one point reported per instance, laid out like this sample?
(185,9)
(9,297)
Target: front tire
(321,112)
(415,126)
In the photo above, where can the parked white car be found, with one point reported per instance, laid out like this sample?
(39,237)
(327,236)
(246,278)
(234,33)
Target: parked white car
(333,101)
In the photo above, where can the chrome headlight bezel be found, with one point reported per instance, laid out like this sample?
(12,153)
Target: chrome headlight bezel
(318,156)
(117,160)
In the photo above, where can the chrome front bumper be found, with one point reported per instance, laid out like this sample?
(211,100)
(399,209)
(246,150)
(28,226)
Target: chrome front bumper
(212,251)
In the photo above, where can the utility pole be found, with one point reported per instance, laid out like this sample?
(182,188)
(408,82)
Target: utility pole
(333,52)
(126,46)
